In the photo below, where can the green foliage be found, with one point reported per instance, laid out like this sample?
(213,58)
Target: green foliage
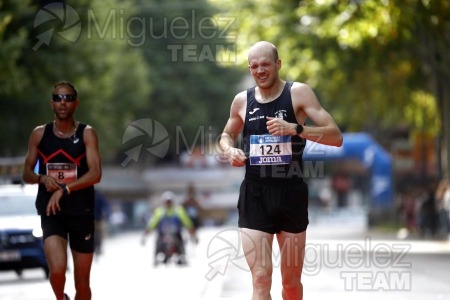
(13,74)
(112,79)
(124,59)
(374,64)
(422,112)
(389,46)
(365,59)
(195,84)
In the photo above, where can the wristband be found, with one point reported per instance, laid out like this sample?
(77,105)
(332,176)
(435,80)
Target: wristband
(65,189)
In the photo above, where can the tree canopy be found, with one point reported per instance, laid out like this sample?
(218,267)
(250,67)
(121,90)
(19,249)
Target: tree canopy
(124,66)
(375,65)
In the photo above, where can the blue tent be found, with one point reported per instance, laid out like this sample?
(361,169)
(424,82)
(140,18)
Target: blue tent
(361,147)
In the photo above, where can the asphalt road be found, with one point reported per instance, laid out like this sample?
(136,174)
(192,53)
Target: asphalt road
(340,264)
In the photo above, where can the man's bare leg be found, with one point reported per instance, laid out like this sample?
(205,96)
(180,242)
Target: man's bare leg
(257,246)
(82,269)
(292,249)
(56,252)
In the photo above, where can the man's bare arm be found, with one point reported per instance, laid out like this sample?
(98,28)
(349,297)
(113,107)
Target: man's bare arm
(232,129)
(29,176)
(306,105)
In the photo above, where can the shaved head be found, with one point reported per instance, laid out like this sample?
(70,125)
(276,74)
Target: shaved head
(263,47)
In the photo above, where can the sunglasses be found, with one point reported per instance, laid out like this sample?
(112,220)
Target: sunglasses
(60,97)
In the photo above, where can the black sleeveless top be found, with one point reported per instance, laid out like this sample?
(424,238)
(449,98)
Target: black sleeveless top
(56,155)
(255,124)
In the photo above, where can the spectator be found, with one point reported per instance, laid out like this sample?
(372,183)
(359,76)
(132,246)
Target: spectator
(102,211)
(192,206)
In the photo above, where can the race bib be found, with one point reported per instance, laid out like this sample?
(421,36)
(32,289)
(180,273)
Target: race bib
(270,150)
(62,172)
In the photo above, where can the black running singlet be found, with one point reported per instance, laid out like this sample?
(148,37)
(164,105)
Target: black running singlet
(276,160)
(65,160)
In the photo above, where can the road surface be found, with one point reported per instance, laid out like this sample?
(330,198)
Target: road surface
(339,264)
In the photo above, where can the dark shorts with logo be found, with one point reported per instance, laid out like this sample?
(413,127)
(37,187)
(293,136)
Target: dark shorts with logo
(78,230)
(273,208)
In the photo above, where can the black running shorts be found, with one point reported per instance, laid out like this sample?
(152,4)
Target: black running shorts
(78,230)
(273,208)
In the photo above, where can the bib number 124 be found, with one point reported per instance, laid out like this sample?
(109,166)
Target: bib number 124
(270,149)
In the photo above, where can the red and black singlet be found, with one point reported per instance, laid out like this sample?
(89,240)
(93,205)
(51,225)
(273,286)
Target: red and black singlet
(65,160)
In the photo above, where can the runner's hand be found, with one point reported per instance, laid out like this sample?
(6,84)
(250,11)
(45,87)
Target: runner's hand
(279,127)
(236,157)
(50,184)
(53,203)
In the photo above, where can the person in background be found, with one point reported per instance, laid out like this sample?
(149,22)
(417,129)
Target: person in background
(69,164)
(273,199)
(443,203)
(429,215)
(341,186)
(410,209)
(102,212)
(168,220)
(192,206)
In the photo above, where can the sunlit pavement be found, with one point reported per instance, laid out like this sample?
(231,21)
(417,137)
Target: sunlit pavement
(339,264)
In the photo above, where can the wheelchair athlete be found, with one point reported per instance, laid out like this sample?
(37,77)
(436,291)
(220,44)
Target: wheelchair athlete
(168,221)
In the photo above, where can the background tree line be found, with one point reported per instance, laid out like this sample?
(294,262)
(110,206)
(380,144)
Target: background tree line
(377,66)
(122,65)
